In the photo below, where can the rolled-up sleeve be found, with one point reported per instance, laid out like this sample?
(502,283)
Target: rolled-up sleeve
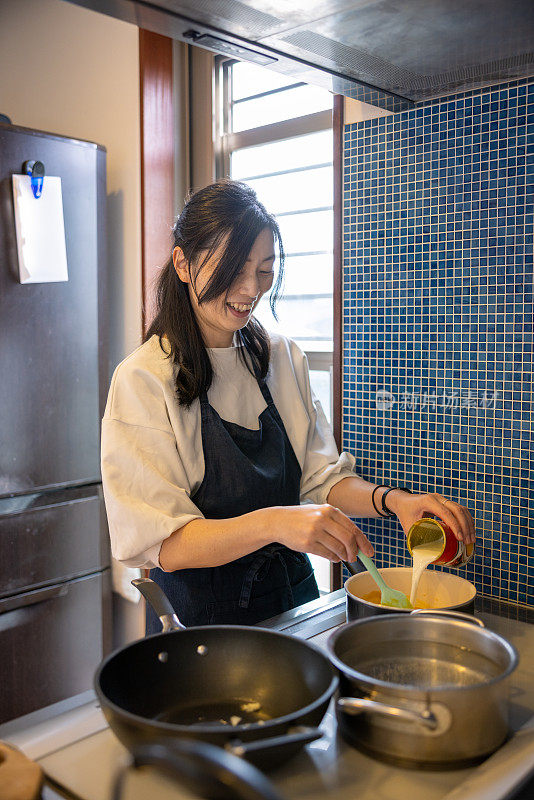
(146,485)
(145,488)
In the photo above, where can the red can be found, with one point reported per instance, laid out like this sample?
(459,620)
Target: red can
(453,553)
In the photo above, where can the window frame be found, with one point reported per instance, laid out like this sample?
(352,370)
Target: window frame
(226,142)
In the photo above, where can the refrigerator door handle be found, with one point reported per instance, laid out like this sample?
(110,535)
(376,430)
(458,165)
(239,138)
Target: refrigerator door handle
(31,598)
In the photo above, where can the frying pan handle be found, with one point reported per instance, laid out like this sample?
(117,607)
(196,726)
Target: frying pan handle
(156,597)
(446,613)
(202,768)
(300,734)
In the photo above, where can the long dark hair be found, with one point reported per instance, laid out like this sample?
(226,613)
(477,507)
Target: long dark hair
(225,208)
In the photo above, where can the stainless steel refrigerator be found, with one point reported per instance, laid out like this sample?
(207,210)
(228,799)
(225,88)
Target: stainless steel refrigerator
(54,555)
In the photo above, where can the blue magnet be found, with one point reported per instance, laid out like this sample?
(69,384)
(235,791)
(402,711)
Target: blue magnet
(36,171)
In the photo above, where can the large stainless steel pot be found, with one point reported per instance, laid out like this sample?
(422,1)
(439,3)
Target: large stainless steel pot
(436,590)
(423,689)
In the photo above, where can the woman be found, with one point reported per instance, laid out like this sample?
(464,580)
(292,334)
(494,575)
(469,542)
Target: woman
(212,438)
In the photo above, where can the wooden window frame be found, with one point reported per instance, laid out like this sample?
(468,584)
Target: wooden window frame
(336,571)
(157,160)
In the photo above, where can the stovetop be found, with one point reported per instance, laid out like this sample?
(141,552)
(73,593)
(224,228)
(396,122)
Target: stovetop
(80,755)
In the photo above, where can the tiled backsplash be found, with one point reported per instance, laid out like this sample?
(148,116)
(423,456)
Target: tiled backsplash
(438,319)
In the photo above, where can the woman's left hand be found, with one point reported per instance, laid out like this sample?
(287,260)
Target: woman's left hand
(411,507)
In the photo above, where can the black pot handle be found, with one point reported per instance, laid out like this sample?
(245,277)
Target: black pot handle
(156,597)
(203,768)
(300,734)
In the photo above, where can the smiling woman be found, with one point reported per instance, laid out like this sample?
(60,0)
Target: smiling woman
(220,318)
(219,469)
(223,254)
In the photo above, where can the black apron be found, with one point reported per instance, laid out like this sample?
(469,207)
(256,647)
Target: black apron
(244,470)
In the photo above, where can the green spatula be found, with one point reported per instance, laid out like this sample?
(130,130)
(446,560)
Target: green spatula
(388,597)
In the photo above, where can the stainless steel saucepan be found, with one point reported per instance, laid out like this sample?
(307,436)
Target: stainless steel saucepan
(423,689)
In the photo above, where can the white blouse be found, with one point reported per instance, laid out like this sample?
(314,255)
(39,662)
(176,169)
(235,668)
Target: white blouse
(152,458)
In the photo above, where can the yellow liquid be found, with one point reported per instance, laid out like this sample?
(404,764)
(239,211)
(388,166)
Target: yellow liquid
(374,597)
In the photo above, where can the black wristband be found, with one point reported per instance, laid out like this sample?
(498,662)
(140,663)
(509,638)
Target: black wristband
(381,486)
(387,510)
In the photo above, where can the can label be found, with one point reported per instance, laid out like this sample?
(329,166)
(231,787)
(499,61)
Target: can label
(453,554)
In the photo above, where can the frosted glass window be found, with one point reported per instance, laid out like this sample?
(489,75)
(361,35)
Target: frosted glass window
(308,232)
(307,320)
(249,79)
(304,275)
(300,151)
(321,385)
(285,104)
(291,191)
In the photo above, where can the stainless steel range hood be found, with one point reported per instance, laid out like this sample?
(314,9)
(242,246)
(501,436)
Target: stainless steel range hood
(392,53)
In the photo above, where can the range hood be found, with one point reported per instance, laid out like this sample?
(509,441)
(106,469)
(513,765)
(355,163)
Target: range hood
(391,53)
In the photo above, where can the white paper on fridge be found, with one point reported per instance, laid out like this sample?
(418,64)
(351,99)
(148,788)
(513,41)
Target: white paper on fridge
(40,231)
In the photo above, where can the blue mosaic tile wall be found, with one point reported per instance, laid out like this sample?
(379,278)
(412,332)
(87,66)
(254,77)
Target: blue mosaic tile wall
(438,319)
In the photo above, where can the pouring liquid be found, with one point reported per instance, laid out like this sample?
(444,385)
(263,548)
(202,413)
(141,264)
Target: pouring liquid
(423,555)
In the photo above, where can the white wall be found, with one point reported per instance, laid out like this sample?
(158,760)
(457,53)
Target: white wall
(75,72)
(356,111)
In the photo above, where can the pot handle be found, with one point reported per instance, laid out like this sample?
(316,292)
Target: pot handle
(299,734)
(446,613)
(202,768)
(156,597)
(357,705)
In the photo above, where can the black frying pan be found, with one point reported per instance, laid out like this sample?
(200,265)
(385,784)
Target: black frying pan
(204,769)
(250,690)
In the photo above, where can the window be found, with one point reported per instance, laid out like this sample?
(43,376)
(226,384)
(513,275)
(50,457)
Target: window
(275,134)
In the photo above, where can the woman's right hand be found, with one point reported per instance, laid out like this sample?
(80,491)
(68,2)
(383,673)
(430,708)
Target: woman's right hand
(323,530)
